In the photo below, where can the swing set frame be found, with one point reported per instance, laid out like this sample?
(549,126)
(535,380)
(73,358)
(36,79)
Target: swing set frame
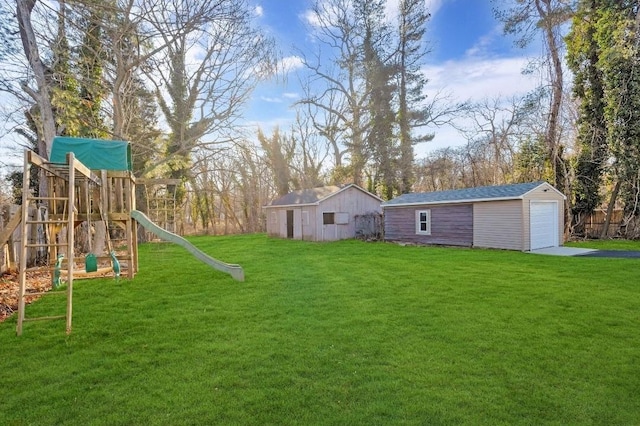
(76,195)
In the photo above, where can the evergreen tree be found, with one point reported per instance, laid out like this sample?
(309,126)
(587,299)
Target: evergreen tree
(90,68)
(378,74)
(618,35)
(412,113)
(279,154)
(604,52)
(64,91)
(583,57)
(142,130)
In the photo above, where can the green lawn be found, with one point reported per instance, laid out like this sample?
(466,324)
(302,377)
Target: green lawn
(335,333)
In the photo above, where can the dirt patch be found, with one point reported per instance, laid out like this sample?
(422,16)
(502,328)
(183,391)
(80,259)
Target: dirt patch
(37,281)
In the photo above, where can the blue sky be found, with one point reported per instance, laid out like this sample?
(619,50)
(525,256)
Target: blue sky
(470,59)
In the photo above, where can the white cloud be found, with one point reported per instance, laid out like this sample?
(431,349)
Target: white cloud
(391,11)
(433,6)
(474,78)
(280,99)
(478,78)
(259,11)
(271,99)
(290,64)
(311,18)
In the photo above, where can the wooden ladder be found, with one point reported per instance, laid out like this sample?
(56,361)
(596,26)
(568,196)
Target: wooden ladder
(66,219)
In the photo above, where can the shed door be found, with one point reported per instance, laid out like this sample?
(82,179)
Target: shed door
(544,224)
(289,223)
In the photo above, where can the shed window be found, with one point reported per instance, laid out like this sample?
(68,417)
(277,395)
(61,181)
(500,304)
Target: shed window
(423,222)
(342,218)
(328,218)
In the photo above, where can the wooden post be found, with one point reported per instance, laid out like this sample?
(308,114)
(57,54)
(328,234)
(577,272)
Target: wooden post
(70,237)
(134,226)
(128,226)
(22,275)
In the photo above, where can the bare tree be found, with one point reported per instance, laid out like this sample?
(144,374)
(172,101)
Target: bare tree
(311,151)
(498,133)
(228,188)
(525,19)
(493,133)
(326,123)
(41,93)
(442,169)
(206,74)
(342,93)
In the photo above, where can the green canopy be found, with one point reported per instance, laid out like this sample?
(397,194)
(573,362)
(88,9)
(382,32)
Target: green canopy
(96,154)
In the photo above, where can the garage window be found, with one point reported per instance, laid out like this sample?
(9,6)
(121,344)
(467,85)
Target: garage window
(423,222)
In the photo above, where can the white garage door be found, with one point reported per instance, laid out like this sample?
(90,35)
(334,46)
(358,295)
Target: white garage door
(544,224)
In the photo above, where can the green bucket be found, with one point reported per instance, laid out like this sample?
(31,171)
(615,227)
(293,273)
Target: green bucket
(90,263)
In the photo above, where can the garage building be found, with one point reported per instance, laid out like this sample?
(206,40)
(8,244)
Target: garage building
(525,216)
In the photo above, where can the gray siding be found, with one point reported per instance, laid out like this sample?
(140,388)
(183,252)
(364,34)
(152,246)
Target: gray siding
(352,201)
(498,224)
(309,223)
(273,223)
(277,222)
(450,224)
(308,218)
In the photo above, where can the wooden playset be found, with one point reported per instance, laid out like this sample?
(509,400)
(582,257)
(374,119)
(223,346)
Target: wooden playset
(90,182)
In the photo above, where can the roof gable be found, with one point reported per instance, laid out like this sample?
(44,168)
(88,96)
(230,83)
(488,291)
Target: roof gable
(314,196)
(482,193)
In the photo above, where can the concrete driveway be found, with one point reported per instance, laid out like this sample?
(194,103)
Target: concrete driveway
(583,252)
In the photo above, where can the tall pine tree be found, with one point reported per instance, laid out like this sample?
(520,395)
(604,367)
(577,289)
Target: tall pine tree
(412,113)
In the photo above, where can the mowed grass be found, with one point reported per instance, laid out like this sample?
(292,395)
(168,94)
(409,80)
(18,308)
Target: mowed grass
(335,333)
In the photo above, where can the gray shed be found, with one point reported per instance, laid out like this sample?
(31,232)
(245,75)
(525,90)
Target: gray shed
(524,216)
(326,213)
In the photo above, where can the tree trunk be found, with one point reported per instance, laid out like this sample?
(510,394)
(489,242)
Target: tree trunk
(610,207)
(556,90)
(47,126)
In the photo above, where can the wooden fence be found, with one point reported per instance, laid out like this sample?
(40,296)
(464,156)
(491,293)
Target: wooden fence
(595,223)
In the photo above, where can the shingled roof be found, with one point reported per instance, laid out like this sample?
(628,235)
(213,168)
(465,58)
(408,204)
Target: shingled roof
(482,193)
(306,196)
(313,196)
